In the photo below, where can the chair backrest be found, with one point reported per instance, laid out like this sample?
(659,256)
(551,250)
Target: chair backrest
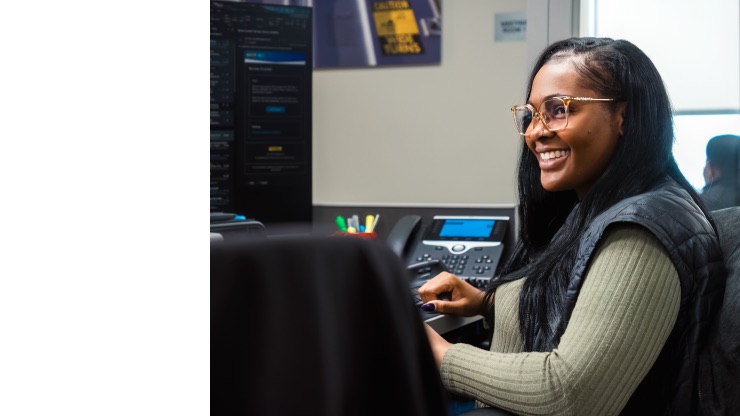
(317,325)
(719,366)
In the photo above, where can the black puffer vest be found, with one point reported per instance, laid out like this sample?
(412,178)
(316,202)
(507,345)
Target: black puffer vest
(670,214)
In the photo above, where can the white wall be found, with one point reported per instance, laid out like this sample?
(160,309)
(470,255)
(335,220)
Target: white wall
(428,135)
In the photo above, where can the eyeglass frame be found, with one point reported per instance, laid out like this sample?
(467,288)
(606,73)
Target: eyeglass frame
(537,114)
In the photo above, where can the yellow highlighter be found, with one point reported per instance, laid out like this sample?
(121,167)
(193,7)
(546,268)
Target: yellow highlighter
(369,223)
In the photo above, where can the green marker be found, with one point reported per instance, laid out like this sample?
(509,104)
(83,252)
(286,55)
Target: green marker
(341,224)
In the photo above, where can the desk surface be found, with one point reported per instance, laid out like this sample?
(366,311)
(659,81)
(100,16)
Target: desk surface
(446,323)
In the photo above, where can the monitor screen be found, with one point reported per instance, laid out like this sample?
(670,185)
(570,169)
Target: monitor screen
(260,110)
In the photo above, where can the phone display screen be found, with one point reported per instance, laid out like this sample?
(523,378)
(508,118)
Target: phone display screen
(469,228)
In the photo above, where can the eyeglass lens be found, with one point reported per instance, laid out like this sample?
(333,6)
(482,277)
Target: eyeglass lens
(553,111)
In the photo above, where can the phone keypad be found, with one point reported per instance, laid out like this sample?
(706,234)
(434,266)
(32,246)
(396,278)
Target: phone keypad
(476,266)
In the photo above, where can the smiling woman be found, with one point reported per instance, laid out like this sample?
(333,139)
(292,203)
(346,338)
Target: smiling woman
(604,302)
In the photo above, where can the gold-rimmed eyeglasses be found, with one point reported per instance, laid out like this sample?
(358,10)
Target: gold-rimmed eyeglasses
(553,113)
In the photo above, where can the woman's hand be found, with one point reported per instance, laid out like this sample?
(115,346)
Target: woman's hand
(447,293)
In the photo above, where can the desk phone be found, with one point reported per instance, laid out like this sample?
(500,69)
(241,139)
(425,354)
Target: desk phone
(468,246)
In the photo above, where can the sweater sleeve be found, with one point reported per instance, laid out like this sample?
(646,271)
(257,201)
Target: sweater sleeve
(624,314)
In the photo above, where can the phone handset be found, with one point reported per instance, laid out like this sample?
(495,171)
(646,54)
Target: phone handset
(403,235)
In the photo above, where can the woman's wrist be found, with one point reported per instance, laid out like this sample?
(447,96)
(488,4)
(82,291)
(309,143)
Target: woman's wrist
(483,306)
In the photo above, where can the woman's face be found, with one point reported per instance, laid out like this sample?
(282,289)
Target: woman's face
(573,158)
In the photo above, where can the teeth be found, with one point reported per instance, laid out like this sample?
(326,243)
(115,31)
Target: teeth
(554,154)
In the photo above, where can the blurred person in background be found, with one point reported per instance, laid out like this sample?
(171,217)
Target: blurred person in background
(722,188)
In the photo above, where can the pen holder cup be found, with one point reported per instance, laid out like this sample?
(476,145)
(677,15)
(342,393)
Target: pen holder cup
(360,235)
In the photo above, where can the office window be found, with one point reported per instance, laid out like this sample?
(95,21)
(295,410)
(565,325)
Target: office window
(696,48)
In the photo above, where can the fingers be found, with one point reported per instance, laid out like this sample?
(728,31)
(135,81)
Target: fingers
(443,283)
(442,294)
(447,293)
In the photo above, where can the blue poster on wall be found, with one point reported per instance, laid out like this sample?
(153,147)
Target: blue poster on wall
(373,33)
(369,33)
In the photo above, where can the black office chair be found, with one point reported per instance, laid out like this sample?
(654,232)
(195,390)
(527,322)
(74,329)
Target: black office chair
(719,363)
(317,326)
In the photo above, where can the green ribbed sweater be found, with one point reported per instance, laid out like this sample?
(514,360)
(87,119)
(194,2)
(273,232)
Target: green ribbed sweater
(625,311)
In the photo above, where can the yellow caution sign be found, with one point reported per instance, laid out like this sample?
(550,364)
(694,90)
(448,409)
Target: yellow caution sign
(396,26)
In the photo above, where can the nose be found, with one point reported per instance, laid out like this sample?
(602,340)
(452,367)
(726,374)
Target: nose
(537,129)
(535,124)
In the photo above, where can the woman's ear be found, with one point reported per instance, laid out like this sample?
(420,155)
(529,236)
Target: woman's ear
(621,107)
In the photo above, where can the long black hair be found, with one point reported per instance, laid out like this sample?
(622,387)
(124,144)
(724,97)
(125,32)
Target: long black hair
(546,251)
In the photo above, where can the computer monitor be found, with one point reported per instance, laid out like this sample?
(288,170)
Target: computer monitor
(260,106)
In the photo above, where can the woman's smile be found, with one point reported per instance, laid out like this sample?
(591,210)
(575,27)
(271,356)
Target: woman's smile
(551,159)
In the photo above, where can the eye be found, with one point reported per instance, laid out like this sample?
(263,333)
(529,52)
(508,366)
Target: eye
(554,108)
